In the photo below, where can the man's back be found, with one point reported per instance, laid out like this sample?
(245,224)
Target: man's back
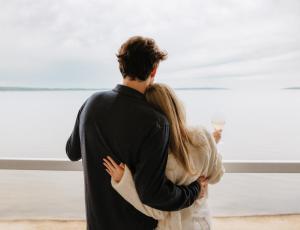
(121,124)
(113,123)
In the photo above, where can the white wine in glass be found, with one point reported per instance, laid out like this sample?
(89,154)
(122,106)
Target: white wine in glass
(218,122)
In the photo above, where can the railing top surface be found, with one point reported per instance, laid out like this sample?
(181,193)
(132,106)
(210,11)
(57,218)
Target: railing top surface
(231,166)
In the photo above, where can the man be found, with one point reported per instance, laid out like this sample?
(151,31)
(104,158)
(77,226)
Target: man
(119,123)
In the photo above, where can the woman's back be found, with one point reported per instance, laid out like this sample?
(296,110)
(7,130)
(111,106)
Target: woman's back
(206,162)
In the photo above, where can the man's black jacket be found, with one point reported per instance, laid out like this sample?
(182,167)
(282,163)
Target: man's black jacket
(121,124)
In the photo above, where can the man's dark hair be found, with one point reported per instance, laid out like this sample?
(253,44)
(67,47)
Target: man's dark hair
(138,56)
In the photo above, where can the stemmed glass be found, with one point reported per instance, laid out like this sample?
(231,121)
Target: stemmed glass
(218,122)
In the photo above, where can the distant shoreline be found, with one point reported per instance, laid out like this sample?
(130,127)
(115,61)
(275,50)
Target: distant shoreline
(10,88)
(47,89)
(13,88)
(292,88)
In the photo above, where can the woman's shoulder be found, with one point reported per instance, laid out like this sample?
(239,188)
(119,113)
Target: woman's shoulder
(200,148)
(199,134)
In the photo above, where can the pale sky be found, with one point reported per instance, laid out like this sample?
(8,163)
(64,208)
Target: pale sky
(226,43)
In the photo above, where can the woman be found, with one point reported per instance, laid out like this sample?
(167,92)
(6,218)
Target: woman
(192,153)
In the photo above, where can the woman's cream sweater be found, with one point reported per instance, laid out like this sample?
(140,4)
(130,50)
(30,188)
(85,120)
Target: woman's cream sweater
(205,160)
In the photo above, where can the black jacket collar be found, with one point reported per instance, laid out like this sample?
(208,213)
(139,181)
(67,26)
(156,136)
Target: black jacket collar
(129,91)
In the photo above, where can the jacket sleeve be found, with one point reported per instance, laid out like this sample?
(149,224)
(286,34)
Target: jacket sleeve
(73,149)
(152,186)
(216,169)
(127,190)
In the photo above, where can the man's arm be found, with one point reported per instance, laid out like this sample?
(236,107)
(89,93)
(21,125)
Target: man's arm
(153,188)
(73,144)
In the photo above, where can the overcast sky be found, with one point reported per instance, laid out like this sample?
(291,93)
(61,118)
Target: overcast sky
(226,43)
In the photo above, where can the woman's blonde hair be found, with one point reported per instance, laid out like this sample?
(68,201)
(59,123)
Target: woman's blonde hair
(164,99)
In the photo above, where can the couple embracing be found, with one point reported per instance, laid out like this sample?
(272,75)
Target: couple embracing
(144,168)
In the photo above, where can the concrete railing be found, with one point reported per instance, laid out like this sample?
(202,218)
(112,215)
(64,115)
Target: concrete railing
(230,166)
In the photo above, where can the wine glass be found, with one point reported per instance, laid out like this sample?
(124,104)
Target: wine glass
(218,122)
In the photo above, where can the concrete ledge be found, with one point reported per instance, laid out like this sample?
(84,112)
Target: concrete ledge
(278,222)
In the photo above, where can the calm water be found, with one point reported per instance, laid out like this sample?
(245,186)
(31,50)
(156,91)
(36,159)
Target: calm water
(260,125)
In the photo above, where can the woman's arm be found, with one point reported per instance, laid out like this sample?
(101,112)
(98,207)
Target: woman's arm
(122,181)
(216,170)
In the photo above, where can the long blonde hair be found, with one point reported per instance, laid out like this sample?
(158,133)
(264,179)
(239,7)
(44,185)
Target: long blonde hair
(164,99)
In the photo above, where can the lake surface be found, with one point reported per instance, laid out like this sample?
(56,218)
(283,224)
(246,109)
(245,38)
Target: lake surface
(260,125)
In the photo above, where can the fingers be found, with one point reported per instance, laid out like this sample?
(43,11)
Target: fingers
(204,185)
(112,168)
(108,165)
(203,182)
(112,162)
(108,172)
(108,169)
(203,179)
(202,194)
(217,133)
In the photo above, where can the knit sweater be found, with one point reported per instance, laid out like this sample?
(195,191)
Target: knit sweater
(205,160)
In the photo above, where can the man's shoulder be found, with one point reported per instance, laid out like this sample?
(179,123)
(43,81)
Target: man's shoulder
(101,94)
(93,100)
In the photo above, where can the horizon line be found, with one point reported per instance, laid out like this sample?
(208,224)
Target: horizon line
(24,88)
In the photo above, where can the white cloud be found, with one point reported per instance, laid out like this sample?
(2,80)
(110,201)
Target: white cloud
(73,43)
